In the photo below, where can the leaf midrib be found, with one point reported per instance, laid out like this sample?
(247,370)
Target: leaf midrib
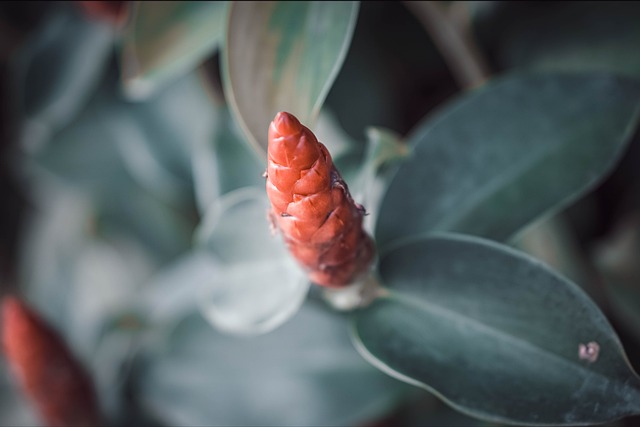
(476,324)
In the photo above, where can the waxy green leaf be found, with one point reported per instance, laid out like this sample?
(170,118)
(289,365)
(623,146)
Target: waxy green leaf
(497,158)
(496,334)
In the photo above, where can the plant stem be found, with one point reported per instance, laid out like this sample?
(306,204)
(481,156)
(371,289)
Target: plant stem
(454,42)
(357,295)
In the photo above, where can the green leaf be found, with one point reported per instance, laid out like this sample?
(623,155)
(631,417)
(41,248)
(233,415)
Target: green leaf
(258,285)
(236,228)
(496,159)
(496,334)
(306,373)
(165,39)
(81,281)
(223,163)
(84,156)
(383,151)
(283,56)
(55,73)
(552,241)
(156,138)
(594,36)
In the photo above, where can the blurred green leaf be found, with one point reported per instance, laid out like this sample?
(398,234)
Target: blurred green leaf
(496,159)
(157,138)
(385,146)
(224,163)
(496,334)
(305,373)
(283,56)
(258,285)
(54,236)
(236,228)
(154,139)
(579,36)
(81,278)
(165,39)
(175,289)
(57,70)
(164,231)
(80,281)
(85,157)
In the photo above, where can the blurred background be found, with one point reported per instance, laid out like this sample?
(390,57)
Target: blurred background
(100,196)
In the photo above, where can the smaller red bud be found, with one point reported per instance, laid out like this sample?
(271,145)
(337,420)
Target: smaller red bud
(47,372)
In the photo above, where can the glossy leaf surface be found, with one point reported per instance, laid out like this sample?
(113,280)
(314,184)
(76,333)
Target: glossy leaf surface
(495,159)
(496,334)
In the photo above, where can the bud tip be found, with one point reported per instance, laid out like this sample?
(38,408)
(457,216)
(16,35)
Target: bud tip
(286,124)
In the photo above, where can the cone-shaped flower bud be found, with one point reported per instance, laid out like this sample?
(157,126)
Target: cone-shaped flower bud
(312,207)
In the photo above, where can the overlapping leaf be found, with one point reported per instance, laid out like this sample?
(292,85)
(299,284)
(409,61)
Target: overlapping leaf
(258,286)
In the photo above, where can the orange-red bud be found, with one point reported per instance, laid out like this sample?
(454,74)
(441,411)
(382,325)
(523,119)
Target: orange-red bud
(312,207)
(47,372)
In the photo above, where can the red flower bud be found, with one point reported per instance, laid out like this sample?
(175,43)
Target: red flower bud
(312,207)
(46,370)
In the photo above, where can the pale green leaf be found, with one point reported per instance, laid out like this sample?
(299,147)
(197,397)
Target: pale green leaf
(53,76)
(304,374)
(258,285)
(224,162)
(283,56)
